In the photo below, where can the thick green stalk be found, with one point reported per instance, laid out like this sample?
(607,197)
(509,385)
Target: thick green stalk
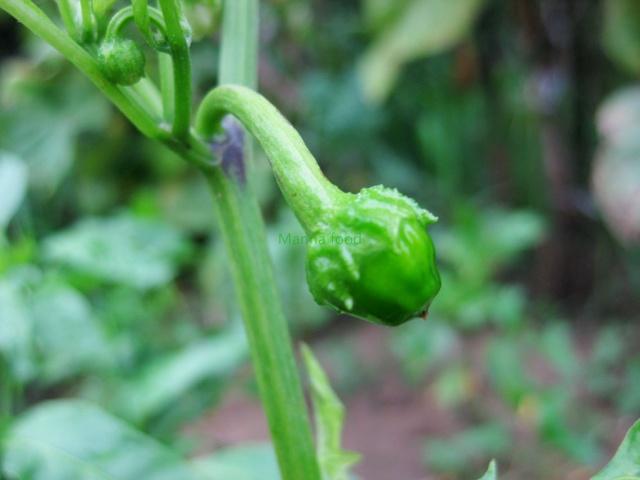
(146,95)
(238,60)
(165,67)
(302,182)
(88,26)
(68,17)
(140,10)
(244,235)
(266,327)
(179,45)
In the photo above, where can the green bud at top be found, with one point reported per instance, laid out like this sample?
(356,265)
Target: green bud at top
(369,254)
(121,60)
(373,258)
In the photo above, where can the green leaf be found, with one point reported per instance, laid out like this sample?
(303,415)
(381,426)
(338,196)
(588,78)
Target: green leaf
(625,464)
(161,386)
(379,13)
(492,472)
(338,116)
(453,386)
(74,440)
(16,331)
(248,462)
(558,422)
(507,372)
(13,186)
(628,398)
(59,313)
(556,345)
(123,249)
(422,346)
(472,445)
(621,33)
(425,27)
(329,417)
(37,319)
(43,119)
(484,242)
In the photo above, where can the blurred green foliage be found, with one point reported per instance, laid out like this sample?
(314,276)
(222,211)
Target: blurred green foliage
(335,462)
(114,286)
(626,462)
(472,444)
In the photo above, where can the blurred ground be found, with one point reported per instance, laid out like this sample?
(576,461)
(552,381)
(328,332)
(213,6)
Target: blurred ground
(388,421)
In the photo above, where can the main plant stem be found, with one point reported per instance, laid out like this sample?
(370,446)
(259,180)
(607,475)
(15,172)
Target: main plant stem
(244,234)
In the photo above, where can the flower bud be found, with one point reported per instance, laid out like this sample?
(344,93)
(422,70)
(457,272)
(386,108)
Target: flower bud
(121,60)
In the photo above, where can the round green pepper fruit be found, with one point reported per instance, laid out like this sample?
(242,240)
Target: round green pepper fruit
(374,259)
(368,254)
(121,60)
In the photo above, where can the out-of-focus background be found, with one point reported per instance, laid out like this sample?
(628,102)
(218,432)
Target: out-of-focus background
(517,123)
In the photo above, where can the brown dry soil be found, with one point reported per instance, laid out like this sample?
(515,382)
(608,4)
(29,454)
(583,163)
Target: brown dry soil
(388,422)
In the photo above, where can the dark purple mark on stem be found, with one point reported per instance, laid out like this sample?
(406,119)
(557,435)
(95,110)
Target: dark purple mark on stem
(229,149)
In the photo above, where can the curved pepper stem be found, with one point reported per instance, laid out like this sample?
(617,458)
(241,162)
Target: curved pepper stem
(373,256)
(309,193)
(369,254)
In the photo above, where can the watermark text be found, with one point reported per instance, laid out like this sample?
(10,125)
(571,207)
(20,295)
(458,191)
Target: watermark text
(292,239)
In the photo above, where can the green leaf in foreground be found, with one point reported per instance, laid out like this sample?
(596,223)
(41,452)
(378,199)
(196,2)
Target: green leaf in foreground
(329,418)
(625,464)
(41,120)
(59,313)
(124,249)
(492,472)
(13,186)
(37,319)
(74,440)
(160,386)
(15,332)
(247,462)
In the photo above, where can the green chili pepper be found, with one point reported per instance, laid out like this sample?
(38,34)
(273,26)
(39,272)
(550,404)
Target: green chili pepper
(372,257)
(369,254)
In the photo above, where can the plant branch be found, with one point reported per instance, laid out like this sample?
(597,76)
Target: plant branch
(68,17)
(88,27)
(36,20)
(165,66)
(140,10)
(178,43)
(146,94)
(238,64)
(131,105)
